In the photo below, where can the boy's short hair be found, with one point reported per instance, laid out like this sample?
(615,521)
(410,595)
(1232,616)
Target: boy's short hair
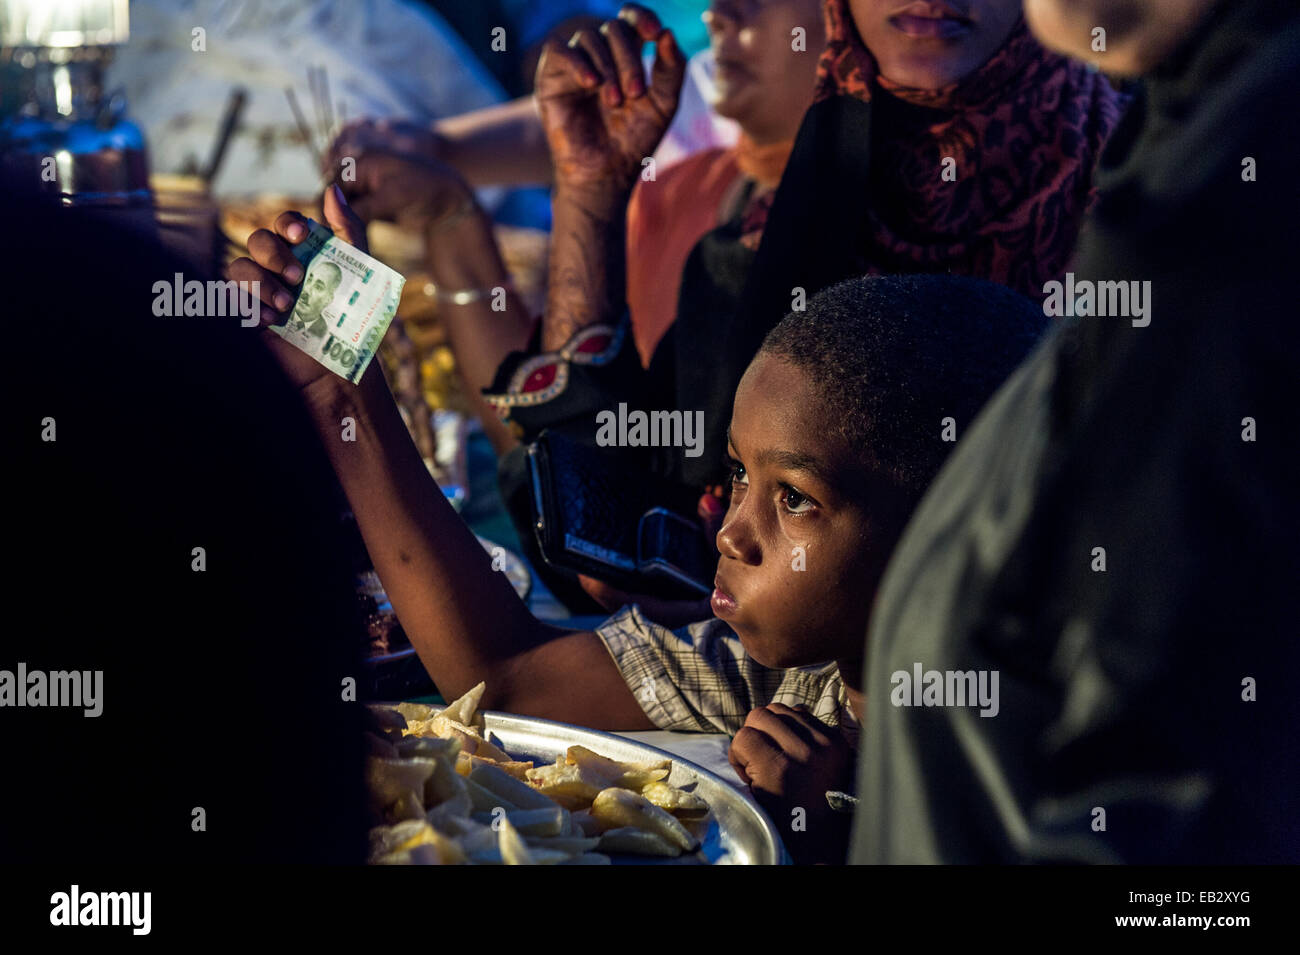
(894,355)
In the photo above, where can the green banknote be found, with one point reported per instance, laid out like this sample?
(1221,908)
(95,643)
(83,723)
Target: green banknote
(346,304)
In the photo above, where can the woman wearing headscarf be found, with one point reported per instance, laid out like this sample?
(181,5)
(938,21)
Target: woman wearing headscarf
(962,146)
(1116,534)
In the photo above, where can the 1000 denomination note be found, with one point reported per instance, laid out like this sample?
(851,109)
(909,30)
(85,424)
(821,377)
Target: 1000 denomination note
(346,304)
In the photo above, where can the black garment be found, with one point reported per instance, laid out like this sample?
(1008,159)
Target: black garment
(1123,690)
(732,296)
(712,280)
(223,688)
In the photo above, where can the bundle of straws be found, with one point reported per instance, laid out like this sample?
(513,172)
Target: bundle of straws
(327,123)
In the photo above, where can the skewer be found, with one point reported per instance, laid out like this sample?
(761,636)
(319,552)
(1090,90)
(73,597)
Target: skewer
(330,129)
(313,84)
(303,128)
(234,109)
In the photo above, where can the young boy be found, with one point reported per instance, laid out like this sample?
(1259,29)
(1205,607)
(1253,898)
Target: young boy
(839,424)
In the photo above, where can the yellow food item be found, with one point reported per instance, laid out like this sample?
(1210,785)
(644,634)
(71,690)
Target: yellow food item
(446,795)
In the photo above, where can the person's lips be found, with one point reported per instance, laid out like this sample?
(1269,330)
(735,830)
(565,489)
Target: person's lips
(930,20)
(732,70)
(724,605)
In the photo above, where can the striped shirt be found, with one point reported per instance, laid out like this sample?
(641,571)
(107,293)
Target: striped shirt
(698,678)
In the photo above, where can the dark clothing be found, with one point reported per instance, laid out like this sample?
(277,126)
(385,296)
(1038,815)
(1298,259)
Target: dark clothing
(1127,690)
(223,688)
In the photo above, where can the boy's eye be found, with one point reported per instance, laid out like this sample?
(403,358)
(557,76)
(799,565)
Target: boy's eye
(738,475)
(795,502)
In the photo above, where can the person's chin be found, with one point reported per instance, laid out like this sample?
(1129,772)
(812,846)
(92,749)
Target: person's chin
(757,651)
(734,103)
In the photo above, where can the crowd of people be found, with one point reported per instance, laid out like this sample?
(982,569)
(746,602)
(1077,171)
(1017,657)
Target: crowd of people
(910,464)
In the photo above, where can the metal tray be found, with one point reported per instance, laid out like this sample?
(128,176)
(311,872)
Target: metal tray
(739,832)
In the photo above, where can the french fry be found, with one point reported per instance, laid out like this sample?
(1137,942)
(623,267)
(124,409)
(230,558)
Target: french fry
(388,841)
(470,741)
(677,801)
(430,747)
(467,761)
(484,800)
(570,845)
(445,815)
(624,775)
(622,807)
(530,823)
(477,840)
(462,709)
(413,712)
(638,842)
(506,786)
(514,851)
(445,784)
(569,785)
(388,779)
(448,796)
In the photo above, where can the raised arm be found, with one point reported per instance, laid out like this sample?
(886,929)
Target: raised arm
(500,145)
(602,121)
(463,619)
(484,318)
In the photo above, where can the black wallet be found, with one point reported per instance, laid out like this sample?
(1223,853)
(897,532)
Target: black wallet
(599,512)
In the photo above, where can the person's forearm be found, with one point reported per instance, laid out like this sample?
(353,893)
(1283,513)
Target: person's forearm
(588,267)
(498,146)
(487,325)
(465,621)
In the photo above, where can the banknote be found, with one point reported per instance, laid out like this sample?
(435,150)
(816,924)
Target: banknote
(345,306)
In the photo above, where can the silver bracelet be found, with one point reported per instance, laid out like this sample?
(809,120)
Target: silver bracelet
(465,296)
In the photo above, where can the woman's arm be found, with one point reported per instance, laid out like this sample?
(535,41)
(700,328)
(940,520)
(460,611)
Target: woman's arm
(602,120)
(501,145)
(485,320)
(496,146)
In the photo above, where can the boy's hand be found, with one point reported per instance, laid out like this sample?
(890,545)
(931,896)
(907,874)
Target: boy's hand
(271,262)
(790,759)
(600,116)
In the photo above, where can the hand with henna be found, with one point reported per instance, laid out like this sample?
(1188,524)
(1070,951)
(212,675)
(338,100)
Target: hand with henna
(601,116)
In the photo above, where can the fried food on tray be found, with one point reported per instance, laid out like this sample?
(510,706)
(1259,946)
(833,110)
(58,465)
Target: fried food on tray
(444,795)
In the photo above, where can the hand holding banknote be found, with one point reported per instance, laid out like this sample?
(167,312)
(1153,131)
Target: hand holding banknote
(325,302)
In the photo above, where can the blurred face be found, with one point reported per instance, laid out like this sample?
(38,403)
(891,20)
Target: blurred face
(930,44)
(762,83)
(799,556)
(1138,33)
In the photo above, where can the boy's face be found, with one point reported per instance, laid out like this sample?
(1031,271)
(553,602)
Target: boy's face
(800,551)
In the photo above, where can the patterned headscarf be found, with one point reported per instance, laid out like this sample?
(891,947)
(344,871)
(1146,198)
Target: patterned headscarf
(1023,133)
